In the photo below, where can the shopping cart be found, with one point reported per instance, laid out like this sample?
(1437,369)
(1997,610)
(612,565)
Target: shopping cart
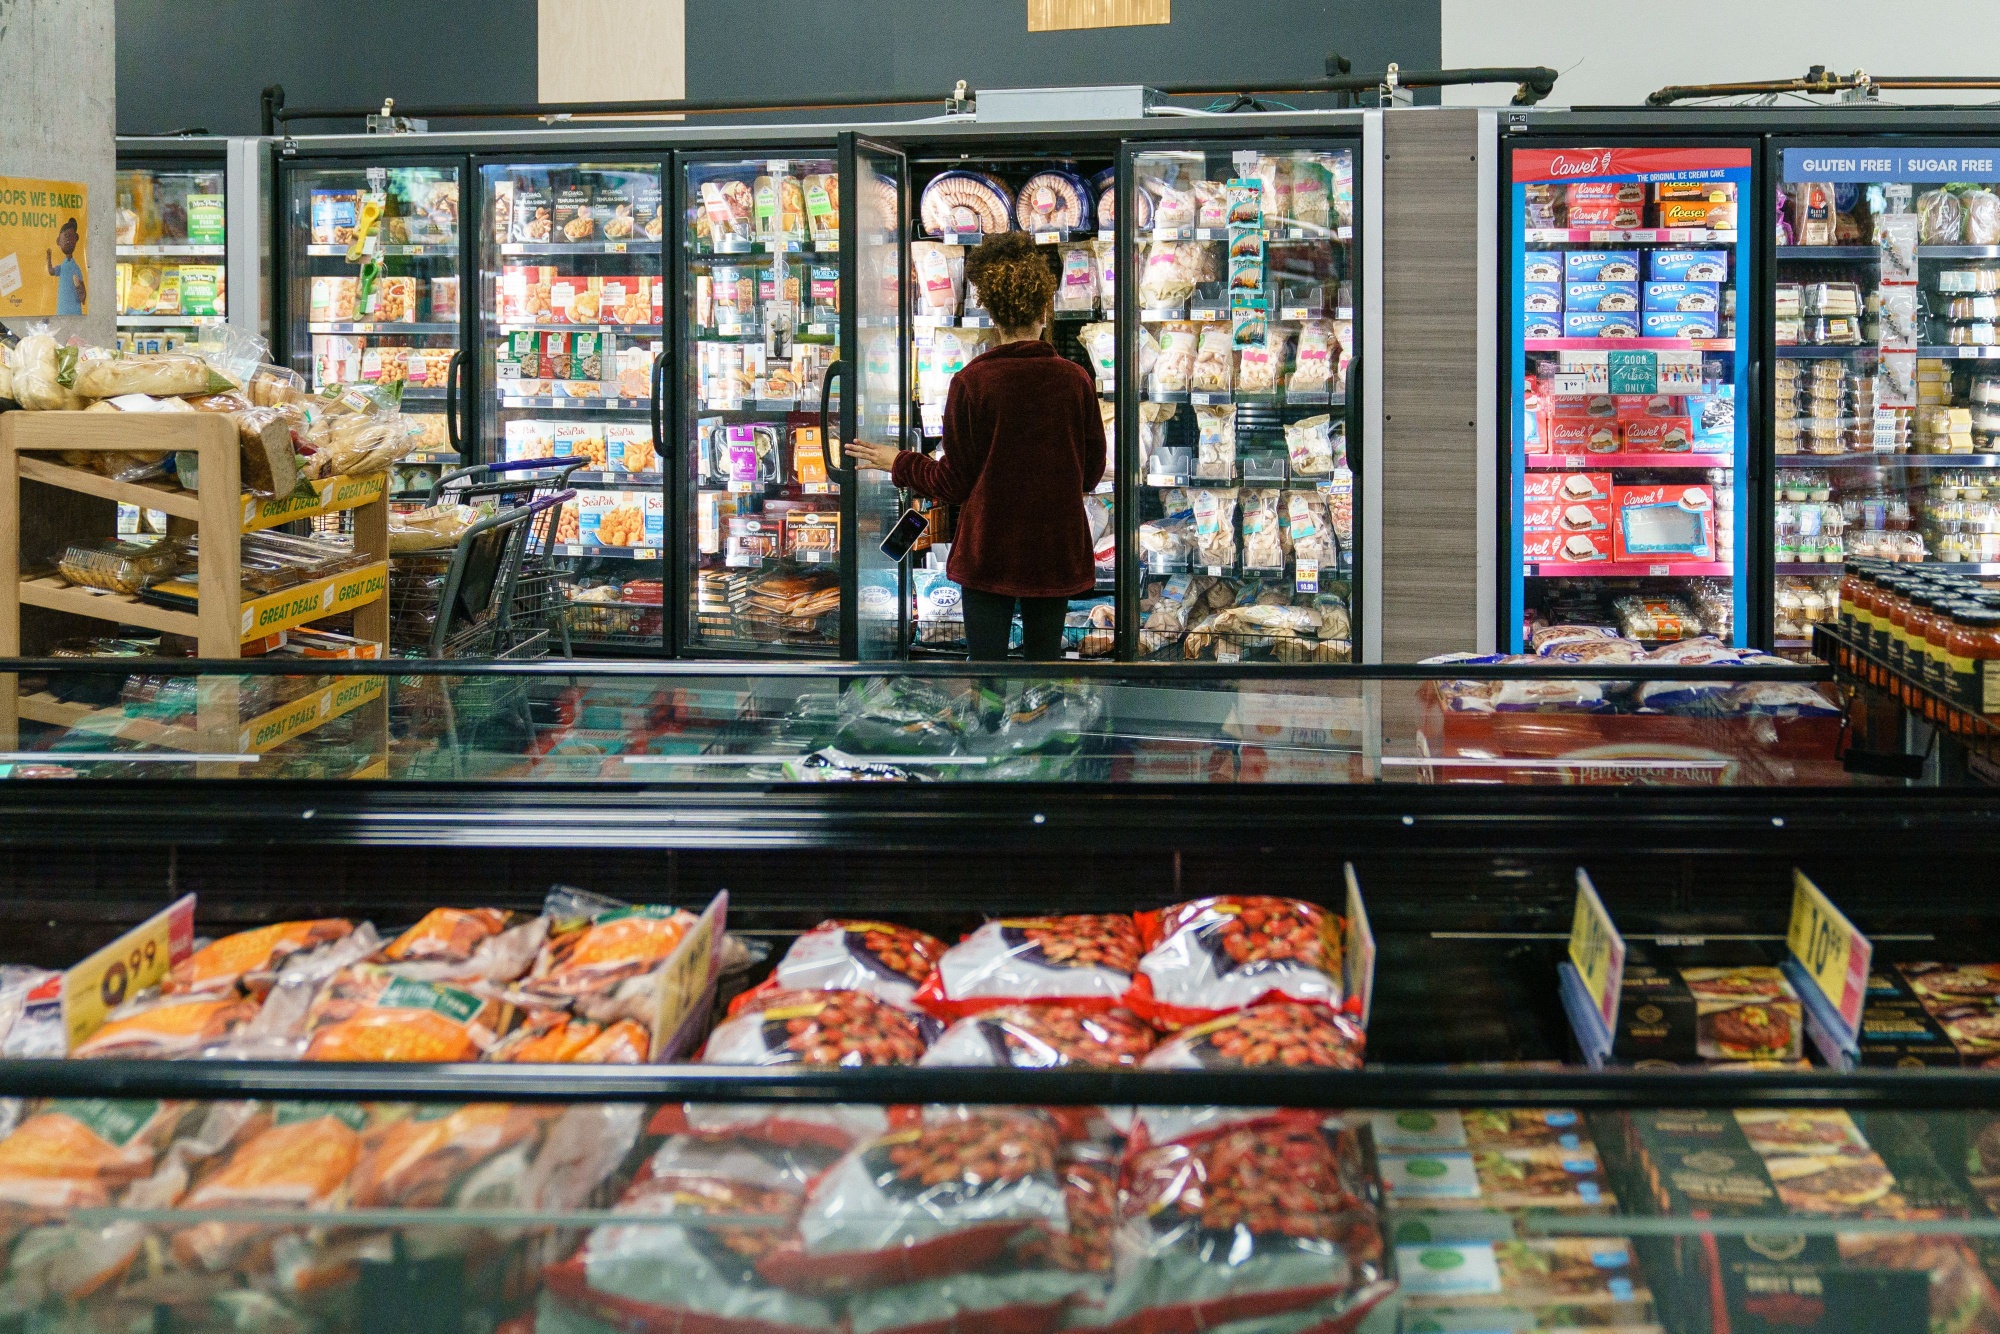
(498,594)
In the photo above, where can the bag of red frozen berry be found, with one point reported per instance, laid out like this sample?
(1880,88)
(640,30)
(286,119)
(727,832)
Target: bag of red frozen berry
(1083,959)
(1209,956)
(1249,1221)
(876,957)
(679,1264)
(1044,1034)
(949,1195)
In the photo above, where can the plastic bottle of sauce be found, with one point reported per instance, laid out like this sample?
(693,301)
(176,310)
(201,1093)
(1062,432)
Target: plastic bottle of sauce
(1973,649)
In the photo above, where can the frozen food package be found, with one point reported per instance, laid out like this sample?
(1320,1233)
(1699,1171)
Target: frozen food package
(1216,442)
(1153,419)
(1173,363)
(1166,543)
(250,960)
(554,1037)
(676,1270)
(1082,959)
(1655,618)
(945,1196)
(822,198)
(728,211)
(421,1160)
(368,1013)
(1052,201)
(162,1027)
(1263,539)
(77,1153)
(1308,529)
(1941,218)
(937,276)
(468,944)
(1260,364)
(1214,527)
(844,955)
(1215,351)
(1104,257)
(1274,183)
(1252,1220)
(1312,194)
(1174,201)
(1313,368)
(1309,442)
(1211,204)
(164,374)
(965,201)
(1076,290)
(1043,1035)
(1171,270)
(290,1156)
(1208,956)
(601,955)
(819,1028)
(1275,1032)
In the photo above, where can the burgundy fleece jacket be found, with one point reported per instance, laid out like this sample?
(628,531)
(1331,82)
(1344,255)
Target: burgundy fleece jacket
(1023,443)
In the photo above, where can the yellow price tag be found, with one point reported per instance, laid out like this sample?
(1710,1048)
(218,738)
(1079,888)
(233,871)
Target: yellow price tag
(1597,950)
(140,958)
(1357,956)
(686,977)
(1833,953)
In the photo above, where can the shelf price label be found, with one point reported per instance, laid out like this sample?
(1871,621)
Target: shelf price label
(1830,952)
(1597,952)
(140,958)
(1306,576)
(686,980)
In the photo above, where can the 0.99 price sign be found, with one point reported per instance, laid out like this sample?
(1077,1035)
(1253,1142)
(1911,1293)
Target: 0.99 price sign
(140,958)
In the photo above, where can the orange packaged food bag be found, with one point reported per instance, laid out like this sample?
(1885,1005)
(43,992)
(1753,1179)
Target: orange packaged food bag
(598,949)
(415,1161)
(251,959)
(168,1026)
(75,1152)
(551,1037)
(367,1013)
(298,1157)
(468,944)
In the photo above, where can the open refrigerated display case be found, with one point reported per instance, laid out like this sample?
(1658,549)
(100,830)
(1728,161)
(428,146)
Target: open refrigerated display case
(573,299)
(1242,270)
(372,289)
(1627,426)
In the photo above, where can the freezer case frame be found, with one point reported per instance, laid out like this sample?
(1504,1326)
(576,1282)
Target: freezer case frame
(237,161)
(1750,475)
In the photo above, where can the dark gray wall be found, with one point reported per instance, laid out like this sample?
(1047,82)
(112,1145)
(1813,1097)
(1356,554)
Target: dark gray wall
(202,62)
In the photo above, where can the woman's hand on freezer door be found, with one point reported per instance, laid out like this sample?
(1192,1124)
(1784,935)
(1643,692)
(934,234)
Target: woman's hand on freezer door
(868,454)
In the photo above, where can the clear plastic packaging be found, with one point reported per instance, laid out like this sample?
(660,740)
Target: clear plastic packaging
(1309,442)
(1216,442)
(1208,956)
(1045,1035)
(120,567)
(1083,959)
(842,955)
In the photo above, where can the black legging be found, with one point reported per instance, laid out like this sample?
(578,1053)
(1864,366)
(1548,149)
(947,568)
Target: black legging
(988,616)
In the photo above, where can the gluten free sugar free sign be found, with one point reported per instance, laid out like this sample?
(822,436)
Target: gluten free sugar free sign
(1892,164)
(42,252)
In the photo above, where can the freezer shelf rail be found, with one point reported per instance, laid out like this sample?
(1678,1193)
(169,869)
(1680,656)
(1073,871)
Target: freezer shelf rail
(1720,725)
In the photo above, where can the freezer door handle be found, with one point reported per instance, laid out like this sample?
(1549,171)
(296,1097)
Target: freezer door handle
(833,368)
(454,371)
(656,381)
(1351,420)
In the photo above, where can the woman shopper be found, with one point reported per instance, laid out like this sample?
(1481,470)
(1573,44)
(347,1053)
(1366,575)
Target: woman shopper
(1023,444)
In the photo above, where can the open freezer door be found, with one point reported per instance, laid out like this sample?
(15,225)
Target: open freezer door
(874,214)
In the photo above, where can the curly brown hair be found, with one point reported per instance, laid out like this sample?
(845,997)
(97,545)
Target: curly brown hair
(1015,282)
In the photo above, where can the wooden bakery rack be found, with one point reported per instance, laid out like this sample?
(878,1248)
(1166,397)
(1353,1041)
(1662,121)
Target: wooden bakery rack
(46,505)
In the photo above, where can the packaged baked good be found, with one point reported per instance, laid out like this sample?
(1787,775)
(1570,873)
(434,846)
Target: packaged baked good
(844,955)
(1308,530)
(1309,442)
(1043,1035)
(1209,956)
(1941,218)
(1215,351)
(165,374)
(1263,539)
(1215,425)
(120,567)
(1214,527)
(43,374)
(1080,960)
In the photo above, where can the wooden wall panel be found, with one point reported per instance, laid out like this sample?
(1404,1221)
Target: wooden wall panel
(1063,15)
(1430,375)
(611,50)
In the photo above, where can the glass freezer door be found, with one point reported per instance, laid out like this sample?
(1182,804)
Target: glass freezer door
(1629,385)
(1243,268)
(760,246)
(874,191)
(570,321)
(373,291)
(172,251)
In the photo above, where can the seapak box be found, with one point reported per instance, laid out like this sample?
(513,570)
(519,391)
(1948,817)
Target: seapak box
(1571,487)
(628,447)
(1671,522)
(581,440)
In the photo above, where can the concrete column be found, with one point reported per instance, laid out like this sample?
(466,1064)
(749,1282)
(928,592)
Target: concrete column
(57,104)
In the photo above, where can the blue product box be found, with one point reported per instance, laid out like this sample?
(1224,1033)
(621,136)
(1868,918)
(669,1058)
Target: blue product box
(1600,324)
(1542,266)
(1601,266)
(1542,326)
(1601,296)
(1542,298)
(1713,417)
(1683,296)
(1688,266)
(1682,324)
